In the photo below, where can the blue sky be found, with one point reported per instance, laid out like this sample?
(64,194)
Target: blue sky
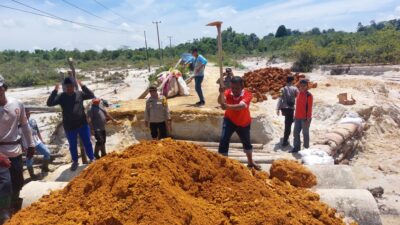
(184,20)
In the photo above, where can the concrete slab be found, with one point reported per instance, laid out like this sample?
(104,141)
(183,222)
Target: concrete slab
(34,190)
(358,204)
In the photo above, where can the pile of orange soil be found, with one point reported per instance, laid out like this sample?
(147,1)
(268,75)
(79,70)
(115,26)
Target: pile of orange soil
(293,172)
(270,80)
(171,182)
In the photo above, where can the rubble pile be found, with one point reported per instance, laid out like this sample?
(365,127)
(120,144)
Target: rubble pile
(174,182)
(269,80)
(293,172)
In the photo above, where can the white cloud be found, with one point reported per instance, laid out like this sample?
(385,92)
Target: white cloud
(9,23)
(397,9)
(49,3)
(52,22)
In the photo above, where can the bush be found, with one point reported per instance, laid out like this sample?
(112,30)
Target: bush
(305,54)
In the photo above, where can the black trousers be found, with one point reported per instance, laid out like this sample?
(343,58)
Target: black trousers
(289,118)
(158,130)
(17,182)
(101,138)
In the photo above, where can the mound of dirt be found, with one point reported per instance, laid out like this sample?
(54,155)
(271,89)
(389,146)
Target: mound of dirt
(293,172)
(269,81)
(171,182)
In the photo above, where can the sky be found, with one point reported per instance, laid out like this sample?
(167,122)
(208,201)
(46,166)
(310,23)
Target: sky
(123,22)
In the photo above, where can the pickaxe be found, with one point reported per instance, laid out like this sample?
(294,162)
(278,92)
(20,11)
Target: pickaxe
(218,24)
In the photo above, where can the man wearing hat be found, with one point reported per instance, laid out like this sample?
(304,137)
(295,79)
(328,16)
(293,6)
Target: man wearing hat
(97,118)
(12,116)
(302,116)
(74,117)
(156,115)
(228,75)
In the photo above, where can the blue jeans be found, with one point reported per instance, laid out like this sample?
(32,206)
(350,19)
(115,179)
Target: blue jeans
(43,150)
(197,81)
(72,136)
(300,125)
(228,128)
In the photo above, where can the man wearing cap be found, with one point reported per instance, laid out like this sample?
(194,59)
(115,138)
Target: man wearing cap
(156,115)
(97,118)
(236,103)
(228,75)
(12,116)
(74,117)
(302,116)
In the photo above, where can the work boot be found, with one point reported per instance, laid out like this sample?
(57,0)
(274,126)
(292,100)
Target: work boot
(285,144)
(32,173)
(74,166)
(45,166)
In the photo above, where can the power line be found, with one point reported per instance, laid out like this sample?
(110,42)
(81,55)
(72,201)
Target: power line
(107,29)
(107,8)
(38,14)
(86,11)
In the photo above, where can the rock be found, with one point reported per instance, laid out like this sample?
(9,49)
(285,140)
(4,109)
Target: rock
(377,192)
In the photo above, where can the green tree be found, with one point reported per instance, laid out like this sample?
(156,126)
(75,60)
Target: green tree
(281,31)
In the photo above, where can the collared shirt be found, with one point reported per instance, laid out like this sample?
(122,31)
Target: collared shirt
(304,105)
(241,117)
(157,110)
(12,115)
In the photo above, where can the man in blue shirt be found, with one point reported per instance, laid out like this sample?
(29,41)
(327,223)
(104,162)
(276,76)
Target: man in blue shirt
(199,64)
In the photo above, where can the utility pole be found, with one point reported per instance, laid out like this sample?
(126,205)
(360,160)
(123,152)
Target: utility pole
(170,46)
(170,41)
(162,51)
(159,45)
(147,51)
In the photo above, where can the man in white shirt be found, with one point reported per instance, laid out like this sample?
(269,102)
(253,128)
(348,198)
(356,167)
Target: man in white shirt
(12,117)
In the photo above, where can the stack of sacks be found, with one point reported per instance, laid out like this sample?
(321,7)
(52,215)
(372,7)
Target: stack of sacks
(172,84)
(334,141)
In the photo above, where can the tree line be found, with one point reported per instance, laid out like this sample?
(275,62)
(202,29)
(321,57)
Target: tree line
(373,43)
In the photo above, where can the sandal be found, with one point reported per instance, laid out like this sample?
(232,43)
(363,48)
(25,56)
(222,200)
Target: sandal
(254,166)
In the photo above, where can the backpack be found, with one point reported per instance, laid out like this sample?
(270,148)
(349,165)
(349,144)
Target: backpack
(290,100)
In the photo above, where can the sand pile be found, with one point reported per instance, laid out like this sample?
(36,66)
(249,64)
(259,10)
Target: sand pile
(293,172)
(171,182)
(269,81)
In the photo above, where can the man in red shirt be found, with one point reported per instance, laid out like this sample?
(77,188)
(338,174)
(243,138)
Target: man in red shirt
(303,115)
(236,103)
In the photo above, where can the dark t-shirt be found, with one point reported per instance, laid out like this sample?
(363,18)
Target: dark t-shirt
(98,117)
(73,110)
